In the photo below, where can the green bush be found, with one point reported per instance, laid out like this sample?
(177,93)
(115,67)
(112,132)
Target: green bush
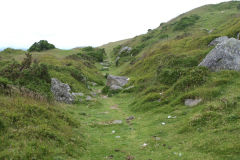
(186,22)
(32,76)
(41,46)
(12,51)
(92,54)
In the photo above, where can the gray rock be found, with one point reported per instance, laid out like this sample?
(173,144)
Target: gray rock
(192,102)
(94,94)
(88,98)
(238,35)
(218,40)
(130,118)
(117,122)
(225,56)
(61,91)
(125,49)
(116,80)
(115,87)
(78,94)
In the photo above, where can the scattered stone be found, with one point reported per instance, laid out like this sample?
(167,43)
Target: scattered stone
(169,117)
(104,97)
(113,131)
(130,118)
(238,36)
(163,123)
(144,145)
(94,94)
(225,56)
(118,137)
(117,122)
(88,98)
(130,158)
(157,138)
(159,100)
(61,91)
(192,102)
(78,94)
(218,40)
(110,157)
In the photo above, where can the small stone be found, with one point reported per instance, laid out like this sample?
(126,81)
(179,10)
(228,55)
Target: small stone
(157,138)
(192,102)
(117,122)
(89,98)
(130,158)
(113,132)
(130,118)
(144,144)
(118,137)
(163,123)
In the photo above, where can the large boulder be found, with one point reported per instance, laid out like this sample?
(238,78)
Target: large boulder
(225,56)
(218,40)
(61,91)
(116,82)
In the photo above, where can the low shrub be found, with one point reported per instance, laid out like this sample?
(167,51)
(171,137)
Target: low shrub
(186,22)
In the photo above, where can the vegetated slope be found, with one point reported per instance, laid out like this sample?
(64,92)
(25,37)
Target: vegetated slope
(163,67)
(32,125)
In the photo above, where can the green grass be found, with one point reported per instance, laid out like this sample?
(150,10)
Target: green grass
(31,129)
(164,73)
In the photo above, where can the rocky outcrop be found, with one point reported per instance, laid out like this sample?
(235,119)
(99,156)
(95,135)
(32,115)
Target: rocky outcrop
(61,91)
(125,49)
(218,40)
(225,56)
(116,82)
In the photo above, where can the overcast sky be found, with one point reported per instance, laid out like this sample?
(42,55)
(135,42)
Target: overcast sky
(72,23)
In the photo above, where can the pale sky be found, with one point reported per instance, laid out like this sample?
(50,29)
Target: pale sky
(72,23)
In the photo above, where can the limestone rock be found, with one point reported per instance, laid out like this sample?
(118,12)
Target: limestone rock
(117,122)
(116,81)
(125,49)
(61,91)
(115,87)
(192,102)
(225,56)
(218,40)
(88,98)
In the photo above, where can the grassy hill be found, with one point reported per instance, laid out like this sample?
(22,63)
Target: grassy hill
(163,68)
